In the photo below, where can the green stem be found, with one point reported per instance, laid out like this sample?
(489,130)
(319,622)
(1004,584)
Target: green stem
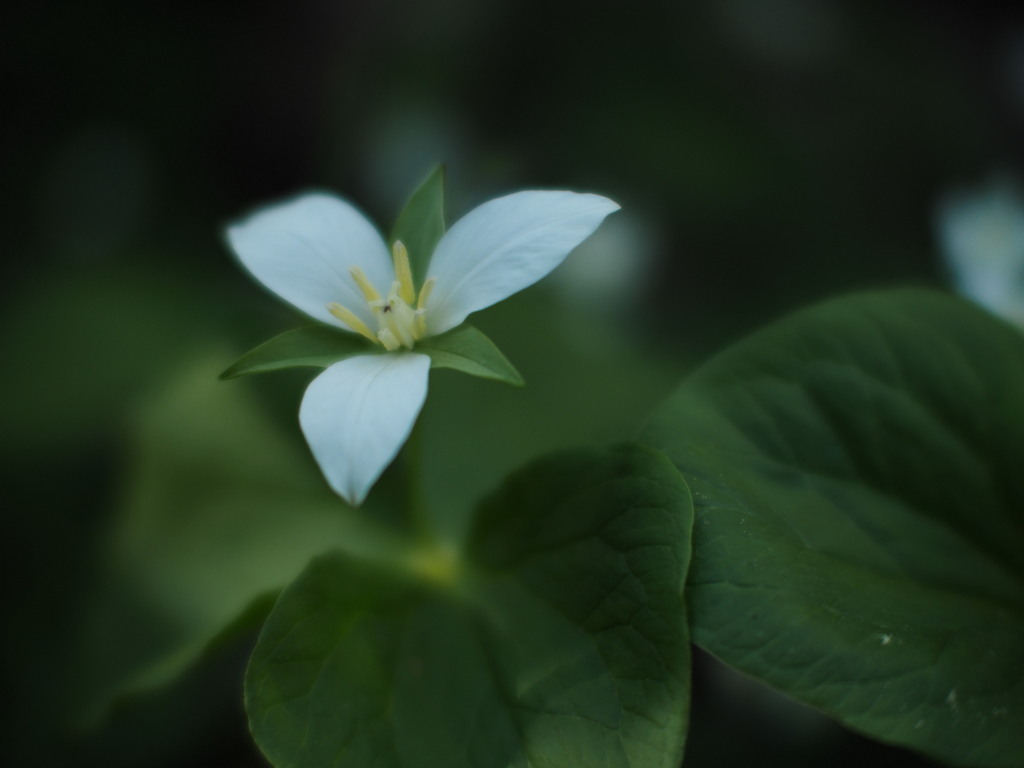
(417,519)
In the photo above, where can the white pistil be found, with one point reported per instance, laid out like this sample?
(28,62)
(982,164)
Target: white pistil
(387,338)
(398,324)
(397,317)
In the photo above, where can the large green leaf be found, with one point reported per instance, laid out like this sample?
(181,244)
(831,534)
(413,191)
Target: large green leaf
(558,638)
(421,223)
(859,530)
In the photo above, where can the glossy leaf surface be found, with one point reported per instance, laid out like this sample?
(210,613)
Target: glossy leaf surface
(557,639)
(859,502)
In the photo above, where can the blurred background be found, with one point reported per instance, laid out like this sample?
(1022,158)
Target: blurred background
(767,154)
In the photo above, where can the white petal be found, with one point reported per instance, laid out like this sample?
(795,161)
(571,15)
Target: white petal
(504,246)
(358,413)
(302,250)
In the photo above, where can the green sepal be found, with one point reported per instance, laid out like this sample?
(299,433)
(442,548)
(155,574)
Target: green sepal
(315,346)
(463,349)
(557,638)
(421,223)
(859,502)
(468,350)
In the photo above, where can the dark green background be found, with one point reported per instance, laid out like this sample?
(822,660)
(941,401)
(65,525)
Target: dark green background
(769,153)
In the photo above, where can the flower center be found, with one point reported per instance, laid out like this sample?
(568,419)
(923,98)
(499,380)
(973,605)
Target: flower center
(398,324)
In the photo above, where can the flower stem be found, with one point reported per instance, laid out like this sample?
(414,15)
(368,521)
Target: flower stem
(416,518)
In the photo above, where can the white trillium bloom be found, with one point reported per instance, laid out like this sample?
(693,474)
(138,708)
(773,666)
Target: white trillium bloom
(982,238)
(323,256)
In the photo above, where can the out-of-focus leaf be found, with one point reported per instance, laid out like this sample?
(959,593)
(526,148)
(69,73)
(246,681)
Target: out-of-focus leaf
(316,346)
(221,509)
(86,342)
(583,390)
(557,639)
(856,472)
(468,350)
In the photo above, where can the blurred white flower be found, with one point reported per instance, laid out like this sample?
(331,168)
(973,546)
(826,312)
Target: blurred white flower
(981,235)
(323,256)
(610,272)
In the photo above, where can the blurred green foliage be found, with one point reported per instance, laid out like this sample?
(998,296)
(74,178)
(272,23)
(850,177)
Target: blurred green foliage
(766,153)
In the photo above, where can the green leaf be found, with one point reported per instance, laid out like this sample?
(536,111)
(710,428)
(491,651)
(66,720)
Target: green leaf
(310,346)
(421,223)
(221,508)
(558,638)
(859,530)
(468,350)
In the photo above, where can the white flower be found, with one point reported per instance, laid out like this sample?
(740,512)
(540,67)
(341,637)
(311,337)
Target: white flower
(982,238)
(323,256)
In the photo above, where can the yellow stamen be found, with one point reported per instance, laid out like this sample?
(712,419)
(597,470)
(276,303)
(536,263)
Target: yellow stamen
(349,318)
(428,286)
(403,272)
(369,292)
(395,324)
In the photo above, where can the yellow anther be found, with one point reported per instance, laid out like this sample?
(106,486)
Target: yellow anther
(425,292)
(403,272)
(369,292)
(395,324)
(348,318)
